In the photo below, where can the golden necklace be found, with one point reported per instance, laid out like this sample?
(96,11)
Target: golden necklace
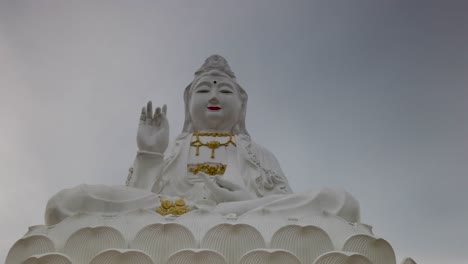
(211,169)
(213,145)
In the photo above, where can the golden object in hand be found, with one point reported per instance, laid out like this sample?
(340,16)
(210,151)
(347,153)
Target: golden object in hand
(211,169)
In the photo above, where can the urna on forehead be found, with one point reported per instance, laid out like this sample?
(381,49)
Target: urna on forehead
(213,76)
(215,65)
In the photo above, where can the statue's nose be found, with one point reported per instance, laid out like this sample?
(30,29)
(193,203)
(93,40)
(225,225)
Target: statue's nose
(214,98)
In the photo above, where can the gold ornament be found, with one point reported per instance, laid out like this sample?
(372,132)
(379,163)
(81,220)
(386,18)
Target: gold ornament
(179,207)
(180,202)
(213,145)
(211,169)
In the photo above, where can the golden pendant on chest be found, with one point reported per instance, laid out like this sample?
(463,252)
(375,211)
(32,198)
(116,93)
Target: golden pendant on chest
(213,145)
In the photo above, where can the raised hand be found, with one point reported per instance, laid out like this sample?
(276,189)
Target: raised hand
(153,129)
(224,190)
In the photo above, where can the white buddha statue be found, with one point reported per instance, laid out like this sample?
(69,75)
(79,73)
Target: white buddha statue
(214,138)
(213,164)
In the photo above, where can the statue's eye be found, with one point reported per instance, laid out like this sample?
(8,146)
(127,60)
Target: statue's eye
(203,91)
(225,92)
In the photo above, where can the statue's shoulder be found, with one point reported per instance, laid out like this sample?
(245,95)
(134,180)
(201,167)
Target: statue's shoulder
(175,145)
(259,153)
(272,176)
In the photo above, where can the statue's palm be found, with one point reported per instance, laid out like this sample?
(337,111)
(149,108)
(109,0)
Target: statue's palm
(153,130)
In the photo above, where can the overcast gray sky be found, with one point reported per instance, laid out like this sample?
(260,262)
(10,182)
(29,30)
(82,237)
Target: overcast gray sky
(371,96)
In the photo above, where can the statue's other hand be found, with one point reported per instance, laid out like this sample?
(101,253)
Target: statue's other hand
(153,129)
(224,190)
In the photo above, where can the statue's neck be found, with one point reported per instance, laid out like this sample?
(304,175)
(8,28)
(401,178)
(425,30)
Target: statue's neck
(214,128)
(227,131)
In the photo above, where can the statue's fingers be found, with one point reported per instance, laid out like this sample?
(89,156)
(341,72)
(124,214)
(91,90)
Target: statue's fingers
(157,115)
(162,120)
(208,182)
(220,194)
(227,184)
(149,110)
(163,116)
(143,115)
(149,113)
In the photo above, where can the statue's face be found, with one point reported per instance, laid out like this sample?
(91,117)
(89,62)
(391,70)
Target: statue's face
(215,104)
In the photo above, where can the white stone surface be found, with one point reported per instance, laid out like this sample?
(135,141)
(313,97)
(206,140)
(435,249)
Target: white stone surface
(378,250)
(115,256)
(342,257)
(233,240)
(196,256)
(48,258)
(29,246)
(269,256)
(306,242)
(85,243)
(162,240)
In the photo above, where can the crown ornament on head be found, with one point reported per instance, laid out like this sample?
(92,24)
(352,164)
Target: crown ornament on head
(216,62)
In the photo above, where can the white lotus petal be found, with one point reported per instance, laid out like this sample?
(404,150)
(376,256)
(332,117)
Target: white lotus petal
(37,230)
(364,229)
(269,256)
(377,250)
(85,243)
(62,231)
(340,257)
(196,256)
(29,246)
(129,224)
(114,256)
(336,227)
(48,258)
(258,218)
(233,241)
(161,240)
(307,242)
(199,222)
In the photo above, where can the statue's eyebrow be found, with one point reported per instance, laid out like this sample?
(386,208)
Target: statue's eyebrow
(226,84)
(203,83)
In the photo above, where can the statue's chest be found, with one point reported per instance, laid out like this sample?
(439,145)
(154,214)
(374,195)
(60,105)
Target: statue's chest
(215,156)
(212,155)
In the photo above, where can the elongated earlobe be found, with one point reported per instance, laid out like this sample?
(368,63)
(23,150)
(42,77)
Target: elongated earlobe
(188,128)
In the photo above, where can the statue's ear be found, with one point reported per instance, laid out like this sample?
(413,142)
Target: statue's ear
(188,119)
(240,127)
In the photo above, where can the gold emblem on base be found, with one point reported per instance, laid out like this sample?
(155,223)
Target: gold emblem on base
(168,207)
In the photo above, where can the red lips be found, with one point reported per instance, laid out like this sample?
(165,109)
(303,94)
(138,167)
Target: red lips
(214,108)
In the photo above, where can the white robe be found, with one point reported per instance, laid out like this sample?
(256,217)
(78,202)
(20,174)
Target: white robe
(259,169)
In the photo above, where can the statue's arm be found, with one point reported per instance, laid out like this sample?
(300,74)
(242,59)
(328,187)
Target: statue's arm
(281,182)
(275,182)
(152,141)
(146,170)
